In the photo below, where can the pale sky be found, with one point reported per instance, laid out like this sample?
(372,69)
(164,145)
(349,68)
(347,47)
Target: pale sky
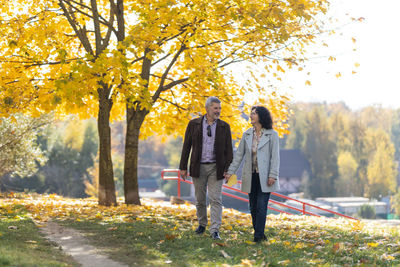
(377,51)
(377,44)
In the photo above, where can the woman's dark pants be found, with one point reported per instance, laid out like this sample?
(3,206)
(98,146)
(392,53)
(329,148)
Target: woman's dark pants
(258,206)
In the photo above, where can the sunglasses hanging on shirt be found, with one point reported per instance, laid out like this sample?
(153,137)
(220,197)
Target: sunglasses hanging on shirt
(209,130)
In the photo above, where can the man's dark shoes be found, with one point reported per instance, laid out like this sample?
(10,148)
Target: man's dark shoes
(200,230)
(215,236)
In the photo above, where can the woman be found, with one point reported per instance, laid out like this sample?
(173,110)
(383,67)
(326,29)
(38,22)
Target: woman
(259,147)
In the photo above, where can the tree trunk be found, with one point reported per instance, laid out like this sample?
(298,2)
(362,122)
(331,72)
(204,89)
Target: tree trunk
(106,174)
(134,119)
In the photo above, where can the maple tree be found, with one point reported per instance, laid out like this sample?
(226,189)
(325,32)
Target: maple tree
(153,61)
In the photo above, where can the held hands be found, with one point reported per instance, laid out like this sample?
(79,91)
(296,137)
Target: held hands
(227,176)
(183,175)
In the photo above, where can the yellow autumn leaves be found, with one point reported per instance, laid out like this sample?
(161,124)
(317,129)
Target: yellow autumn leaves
(46,207)
(45,66)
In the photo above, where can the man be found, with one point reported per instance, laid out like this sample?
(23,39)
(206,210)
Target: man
(210,141)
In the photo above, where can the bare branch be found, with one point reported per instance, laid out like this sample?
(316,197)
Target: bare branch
(232,53)
(161,59)
(110,29)
(172,103)
(79,32)
(231,62)
(101,19)
(137,59)
(119,12)
(174,83)
(165,74)
(31,80)
(37,63)
(212,43)
(159,77)
(96,27)
(167,39)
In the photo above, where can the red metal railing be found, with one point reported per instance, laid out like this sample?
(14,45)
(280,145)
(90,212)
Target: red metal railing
(304,204)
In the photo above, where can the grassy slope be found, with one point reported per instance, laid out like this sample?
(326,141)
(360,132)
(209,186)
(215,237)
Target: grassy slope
(157,233)
(25,246)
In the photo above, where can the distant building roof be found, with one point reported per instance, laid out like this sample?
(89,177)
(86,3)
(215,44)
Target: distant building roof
(293,163)
(342,199)
(356,204)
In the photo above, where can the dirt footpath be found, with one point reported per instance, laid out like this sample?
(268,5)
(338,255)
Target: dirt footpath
(74,243)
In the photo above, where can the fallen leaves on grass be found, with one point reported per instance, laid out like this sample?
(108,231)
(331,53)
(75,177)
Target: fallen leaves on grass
(373,245)
(170,237)
(226,256)
(247,262)
(285,262)
(315,237)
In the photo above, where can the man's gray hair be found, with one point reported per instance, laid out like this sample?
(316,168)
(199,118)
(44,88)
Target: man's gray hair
(212,99)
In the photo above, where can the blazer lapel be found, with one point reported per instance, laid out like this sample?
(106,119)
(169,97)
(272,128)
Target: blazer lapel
(249,137)
(199,123)
(265,137)
(218,133)
(218,129)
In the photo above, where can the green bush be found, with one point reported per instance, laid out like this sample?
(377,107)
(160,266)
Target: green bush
(367,212)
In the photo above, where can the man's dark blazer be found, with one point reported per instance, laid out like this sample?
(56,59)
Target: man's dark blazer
(194,141)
